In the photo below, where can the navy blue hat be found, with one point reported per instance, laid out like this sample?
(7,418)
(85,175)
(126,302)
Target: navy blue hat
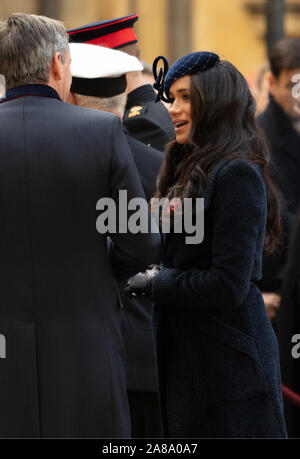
(186,65)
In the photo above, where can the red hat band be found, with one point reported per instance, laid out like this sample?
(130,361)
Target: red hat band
(115,39)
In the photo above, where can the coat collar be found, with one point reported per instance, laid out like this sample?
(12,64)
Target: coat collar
(141,95)
(40,90)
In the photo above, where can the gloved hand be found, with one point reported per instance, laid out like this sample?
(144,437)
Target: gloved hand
(141,283)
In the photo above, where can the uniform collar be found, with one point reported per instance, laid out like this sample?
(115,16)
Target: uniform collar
(40,90)
(140,95)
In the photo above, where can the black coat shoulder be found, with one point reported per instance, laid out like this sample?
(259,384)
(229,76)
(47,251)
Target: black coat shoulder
(148,121)
(148,161)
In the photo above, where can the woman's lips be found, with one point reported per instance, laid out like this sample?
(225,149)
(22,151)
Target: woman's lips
(180,125)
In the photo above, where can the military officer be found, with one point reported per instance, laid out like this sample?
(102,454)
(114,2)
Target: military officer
(145,120)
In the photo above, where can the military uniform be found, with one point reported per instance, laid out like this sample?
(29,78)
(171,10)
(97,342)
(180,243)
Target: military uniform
(147,121)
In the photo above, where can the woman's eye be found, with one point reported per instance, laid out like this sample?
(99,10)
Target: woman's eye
(186,97)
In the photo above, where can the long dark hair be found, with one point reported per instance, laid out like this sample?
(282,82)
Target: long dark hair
(224,126)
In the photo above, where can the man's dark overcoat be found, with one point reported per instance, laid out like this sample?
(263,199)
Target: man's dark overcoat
(64,373)
(217,353)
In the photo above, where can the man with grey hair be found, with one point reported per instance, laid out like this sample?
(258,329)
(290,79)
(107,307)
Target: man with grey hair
(30,46)
(64,371)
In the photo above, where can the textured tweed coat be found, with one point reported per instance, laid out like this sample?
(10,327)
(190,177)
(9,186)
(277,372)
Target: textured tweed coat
(217,353)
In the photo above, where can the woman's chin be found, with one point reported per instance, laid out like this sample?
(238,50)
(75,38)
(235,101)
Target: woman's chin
(182,139)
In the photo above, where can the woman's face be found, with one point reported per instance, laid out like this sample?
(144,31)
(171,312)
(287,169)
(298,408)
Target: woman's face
(180,110)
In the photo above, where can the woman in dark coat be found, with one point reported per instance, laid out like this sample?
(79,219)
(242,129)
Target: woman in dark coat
(217,353)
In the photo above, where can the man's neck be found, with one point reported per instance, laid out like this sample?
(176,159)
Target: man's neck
(134,81)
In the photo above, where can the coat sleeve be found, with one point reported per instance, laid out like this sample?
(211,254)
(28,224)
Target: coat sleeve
(239,202)
(129,252)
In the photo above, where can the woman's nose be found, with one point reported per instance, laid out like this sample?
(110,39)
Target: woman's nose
(175,108)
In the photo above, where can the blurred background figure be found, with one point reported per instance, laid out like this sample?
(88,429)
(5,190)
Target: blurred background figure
(279,122)
(260,89)
(288,325)
(99,82)
(145,120)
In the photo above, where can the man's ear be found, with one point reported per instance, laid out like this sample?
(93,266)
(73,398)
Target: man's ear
(273,82)
(57,67)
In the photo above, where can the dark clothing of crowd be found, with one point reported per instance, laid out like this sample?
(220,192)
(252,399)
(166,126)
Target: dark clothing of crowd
(281,271)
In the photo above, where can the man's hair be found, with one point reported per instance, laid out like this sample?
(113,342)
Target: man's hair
(115,104)
(133,49)
(285,55)
(27,45)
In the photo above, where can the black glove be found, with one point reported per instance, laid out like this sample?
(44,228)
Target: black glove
(141,283)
